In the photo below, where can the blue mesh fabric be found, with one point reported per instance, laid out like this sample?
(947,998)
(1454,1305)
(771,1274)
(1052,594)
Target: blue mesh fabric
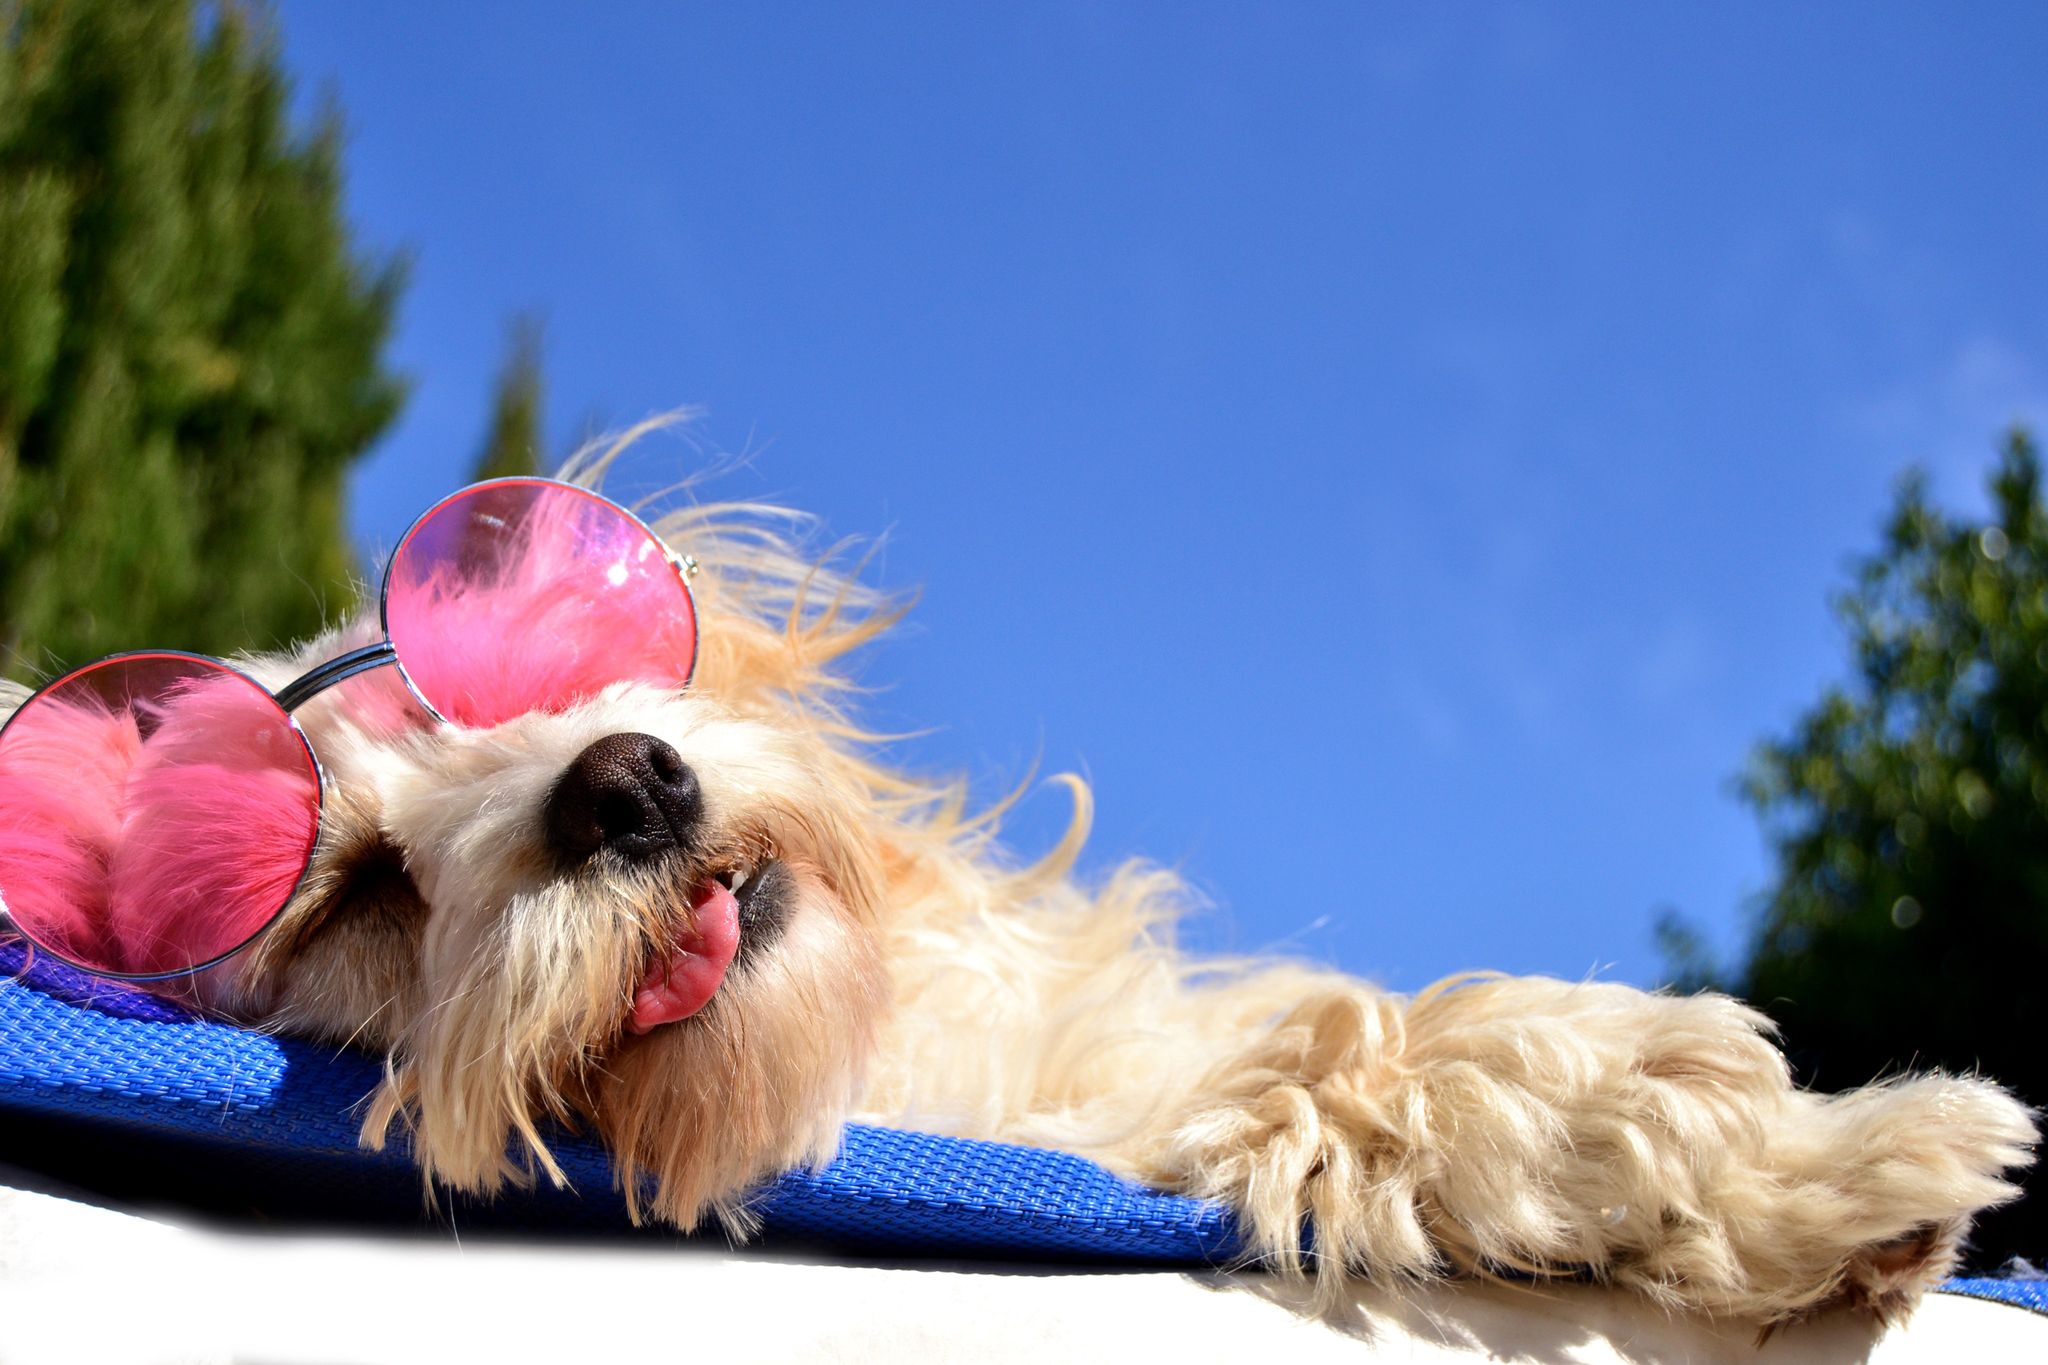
(97,1053)
(2029,1294)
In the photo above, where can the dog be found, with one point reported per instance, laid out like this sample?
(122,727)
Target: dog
(712,925)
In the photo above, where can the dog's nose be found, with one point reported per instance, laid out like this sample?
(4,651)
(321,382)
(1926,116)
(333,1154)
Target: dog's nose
(630,793)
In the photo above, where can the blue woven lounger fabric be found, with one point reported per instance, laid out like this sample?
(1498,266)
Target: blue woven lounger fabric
(97,1055)
(97,1058)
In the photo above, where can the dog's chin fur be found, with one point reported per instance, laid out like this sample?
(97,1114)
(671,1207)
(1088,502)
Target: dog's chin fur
(916,975)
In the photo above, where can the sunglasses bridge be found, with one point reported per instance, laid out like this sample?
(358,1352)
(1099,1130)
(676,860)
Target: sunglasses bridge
(336,670)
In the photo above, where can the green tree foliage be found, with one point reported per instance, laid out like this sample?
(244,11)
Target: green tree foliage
(1908,926)
(513,443)
(189,341)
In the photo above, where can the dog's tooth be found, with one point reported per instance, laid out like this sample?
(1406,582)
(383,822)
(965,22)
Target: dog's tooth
(739,879)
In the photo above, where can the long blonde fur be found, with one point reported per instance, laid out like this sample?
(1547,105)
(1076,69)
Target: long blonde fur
(1486,1124)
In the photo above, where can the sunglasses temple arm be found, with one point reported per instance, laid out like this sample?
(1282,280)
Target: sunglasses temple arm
(297,693)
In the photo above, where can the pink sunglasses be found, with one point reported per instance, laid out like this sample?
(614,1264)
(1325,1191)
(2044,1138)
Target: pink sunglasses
(159,809)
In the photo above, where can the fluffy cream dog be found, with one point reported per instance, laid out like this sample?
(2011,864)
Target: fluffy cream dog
(484,911)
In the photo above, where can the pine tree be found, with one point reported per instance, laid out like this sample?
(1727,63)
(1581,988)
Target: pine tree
(515,440)
(189,340)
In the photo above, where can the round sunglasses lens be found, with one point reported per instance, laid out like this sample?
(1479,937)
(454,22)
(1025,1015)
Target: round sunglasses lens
(156,812)
(528,595)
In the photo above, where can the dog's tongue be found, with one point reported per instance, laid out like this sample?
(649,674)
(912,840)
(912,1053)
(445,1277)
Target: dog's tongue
(682,983)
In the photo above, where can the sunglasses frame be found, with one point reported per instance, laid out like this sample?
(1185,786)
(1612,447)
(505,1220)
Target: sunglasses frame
(345,666)
(330,673)
(319,808)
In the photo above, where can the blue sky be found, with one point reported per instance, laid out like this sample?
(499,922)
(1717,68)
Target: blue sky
(1401,455)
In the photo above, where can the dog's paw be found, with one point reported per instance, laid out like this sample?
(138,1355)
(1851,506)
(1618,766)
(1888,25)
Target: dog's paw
(1915,1161)
(1307,1136)
(1541,1127)
(1888,1279)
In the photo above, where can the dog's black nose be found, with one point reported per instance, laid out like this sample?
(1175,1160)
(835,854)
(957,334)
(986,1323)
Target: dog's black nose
(630,793)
